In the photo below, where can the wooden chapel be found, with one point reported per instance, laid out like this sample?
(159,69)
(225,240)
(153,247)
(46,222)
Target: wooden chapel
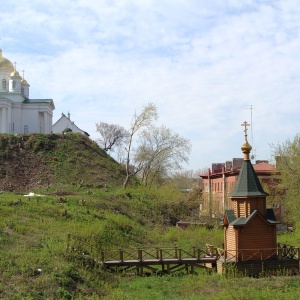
(250,231)
(250,226)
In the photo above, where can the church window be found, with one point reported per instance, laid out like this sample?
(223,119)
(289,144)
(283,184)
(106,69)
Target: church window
(3,84)
(26,129)
(22,90)
(14,83)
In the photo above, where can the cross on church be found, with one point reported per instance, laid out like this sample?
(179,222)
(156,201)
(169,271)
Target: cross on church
(245,124)
(15,66)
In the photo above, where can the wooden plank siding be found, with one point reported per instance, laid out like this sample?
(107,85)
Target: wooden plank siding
(248,239)
(231,242)
(245,206)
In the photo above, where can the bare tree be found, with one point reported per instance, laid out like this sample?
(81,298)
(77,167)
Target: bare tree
(184,179)
(111,135)
(160,151)
(142,120)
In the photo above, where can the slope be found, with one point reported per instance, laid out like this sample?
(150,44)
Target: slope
(39,161)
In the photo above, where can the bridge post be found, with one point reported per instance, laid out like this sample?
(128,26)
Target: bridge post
(160,254)
(168,269)
(140,254)
(121,255)
(198,253)
(179,257)
(279,253)
(192,269)
(139,270)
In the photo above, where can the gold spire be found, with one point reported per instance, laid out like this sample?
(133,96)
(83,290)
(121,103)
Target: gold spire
(15,72)
(246,147)
(23,79)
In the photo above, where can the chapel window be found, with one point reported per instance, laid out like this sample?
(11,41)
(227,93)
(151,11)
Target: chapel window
(25,129)
(3,84)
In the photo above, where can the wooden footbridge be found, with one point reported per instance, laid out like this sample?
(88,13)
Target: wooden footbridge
(159,260)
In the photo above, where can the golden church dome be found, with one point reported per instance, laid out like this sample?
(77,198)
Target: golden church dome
(15,73)
(5,63)
(246,147)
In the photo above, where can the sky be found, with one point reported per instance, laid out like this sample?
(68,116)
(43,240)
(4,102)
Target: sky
(208,66)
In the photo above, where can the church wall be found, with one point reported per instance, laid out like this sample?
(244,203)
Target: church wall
(258,236)
(16,119)
(230,242)
(33,117)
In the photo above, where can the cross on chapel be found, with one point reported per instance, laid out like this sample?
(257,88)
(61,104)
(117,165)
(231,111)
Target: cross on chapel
(245,124)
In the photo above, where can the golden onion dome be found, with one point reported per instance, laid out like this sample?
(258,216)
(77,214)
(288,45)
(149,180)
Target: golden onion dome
(5,63)
(15,73)
(246,147)
(23,81)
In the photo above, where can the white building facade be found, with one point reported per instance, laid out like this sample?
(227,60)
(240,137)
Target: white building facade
(64,124)
(19,113)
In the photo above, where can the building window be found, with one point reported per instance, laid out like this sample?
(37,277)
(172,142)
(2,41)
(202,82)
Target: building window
(25,129)
(14,84)
(3,84)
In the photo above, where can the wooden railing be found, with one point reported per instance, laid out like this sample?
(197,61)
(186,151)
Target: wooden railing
(158,254)
(286,251)
(281,252)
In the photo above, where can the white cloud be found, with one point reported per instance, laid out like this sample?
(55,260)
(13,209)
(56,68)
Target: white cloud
(201,62)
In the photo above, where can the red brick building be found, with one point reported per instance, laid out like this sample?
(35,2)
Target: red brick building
(219,182)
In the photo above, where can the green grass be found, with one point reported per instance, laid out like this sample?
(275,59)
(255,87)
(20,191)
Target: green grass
(206,286)
(42,240)
(49,245)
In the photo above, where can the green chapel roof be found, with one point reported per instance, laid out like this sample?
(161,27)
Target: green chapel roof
(248,183)
(242,221)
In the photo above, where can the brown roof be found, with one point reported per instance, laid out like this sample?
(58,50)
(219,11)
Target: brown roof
(263,166)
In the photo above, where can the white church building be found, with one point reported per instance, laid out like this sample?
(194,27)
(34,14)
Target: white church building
(64,124)
(19,113)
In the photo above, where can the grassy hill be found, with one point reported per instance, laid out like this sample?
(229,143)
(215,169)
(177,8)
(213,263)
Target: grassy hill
(49,244)
(50,161)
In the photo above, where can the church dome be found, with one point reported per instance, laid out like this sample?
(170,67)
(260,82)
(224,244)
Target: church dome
(15,73)
(5,63)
